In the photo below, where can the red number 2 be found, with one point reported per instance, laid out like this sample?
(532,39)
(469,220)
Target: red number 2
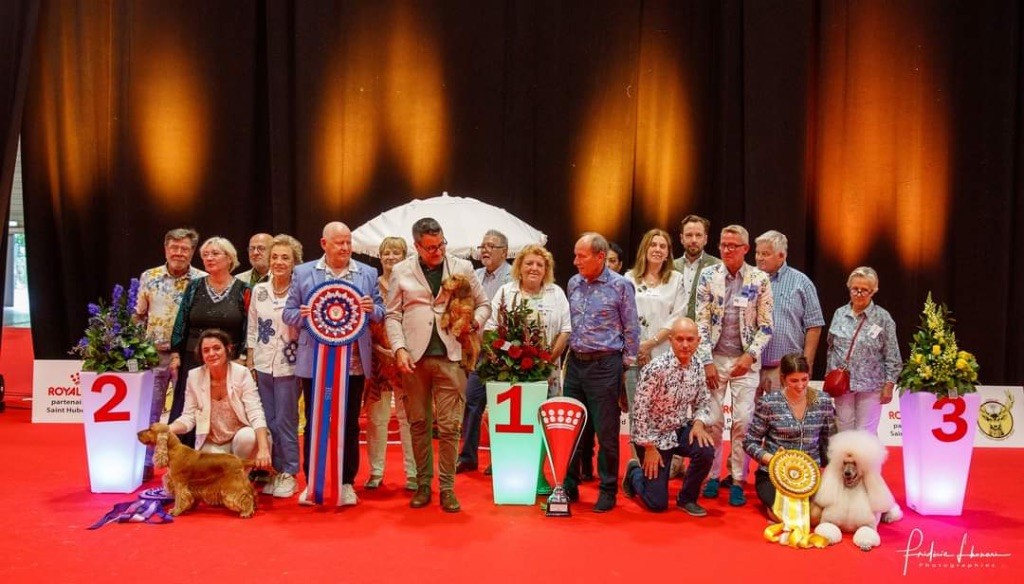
(954,417)
(515,412)
(104,414)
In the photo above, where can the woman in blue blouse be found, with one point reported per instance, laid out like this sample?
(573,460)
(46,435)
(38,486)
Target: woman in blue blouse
(796,418)
(875,361)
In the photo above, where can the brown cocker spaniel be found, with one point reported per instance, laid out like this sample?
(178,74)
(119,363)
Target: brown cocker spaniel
(458,318)
(214,479)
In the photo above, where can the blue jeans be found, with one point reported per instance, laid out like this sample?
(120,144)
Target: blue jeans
(161,379)
(596,384)
(476,403)
(653,493)
(280,397)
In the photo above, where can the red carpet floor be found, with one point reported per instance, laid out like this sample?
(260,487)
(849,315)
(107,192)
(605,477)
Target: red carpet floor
(45,506)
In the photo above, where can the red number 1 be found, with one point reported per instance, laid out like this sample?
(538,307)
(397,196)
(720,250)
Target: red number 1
(954,417)
(105,413)
(515,412)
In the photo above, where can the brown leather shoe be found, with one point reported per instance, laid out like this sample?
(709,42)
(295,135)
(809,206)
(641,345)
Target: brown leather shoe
(449,503)
(421,498)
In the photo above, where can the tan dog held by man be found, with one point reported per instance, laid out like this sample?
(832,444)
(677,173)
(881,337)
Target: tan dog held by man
(192,476)
(458,318)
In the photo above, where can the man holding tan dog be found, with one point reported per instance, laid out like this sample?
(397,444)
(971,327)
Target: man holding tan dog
(429,356)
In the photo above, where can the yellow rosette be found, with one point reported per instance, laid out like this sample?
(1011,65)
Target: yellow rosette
(796,478)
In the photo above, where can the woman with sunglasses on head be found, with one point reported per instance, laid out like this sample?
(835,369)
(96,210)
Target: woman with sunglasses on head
(866,333)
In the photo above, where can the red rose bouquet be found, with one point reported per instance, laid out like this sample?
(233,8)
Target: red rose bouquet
(517,350)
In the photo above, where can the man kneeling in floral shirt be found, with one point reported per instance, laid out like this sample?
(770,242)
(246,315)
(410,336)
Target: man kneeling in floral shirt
(669,389)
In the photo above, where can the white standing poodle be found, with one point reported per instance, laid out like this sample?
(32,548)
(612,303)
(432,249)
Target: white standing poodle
(853,496)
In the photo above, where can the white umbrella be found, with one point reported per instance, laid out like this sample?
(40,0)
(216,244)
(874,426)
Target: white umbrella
(464,221)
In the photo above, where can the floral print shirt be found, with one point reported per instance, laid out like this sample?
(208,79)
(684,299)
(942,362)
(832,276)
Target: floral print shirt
(274,344)
(159,299)
(658,306)
(603,315)
(774,427)
(754,301)
(875,359)
(666,394)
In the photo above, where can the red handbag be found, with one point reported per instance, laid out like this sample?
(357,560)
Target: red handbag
(837,381)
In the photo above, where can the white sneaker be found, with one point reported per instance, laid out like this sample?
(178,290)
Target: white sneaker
(304,498)
(284,486)
(271,486)
(348,495)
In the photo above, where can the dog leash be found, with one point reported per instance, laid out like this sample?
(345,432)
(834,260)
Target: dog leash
(148,506)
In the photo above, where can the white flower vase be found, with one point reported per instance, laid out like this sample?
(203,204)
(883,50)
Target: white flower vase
(938,441)
(115,406)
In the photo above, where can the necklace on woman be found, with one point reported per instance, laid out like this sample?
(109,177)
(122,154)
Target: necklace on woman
(281,292)
(216,297)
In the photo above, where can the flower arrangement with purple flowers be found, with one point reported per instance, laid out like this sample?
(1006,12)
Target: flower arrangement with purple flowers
(114,340)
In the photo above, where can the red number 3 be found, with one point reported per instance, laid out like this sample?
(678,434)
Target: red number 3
(515,412)
(954,417)
(105,413)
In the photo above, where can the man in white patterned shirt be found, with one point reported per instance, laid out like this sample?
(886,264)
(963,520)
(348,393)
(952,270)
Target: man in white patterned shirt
(670,387)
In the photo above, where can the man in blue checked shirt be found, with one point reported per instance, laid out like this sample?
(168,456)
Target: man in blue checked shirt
(797,313)
(605,336)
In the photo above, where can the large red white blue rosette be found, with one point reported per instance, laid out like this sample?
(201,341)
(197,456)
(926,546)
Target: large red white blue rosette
(335,321)
(335,317)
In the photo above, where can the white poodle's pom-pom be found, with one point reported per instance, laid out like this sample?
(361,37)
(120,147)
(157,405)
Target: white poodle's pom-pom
(829,531)
(866,538)
(892,515)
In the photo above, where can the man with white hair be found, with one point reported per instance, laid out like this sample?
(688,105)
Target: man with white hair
(734,317)
(797,317)
(495,273)
(335,264)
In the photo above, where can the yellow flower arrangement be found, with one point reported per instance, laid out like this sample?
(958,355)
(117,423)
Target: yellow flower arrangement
(935,363)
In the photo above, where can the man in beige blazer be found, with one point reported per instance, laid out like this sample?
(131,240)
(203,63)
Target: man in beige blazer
(428,356)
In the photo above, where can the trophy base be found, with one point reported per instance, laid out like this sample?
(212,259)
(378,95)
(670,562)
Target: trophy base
(558,504)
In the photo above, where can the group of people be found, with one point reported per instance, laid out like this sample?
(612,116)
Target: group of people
(663,342)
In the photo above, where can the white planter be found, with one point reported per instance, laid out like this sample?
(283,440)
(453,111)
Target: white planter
(515,439)
(938,441)
(115,406)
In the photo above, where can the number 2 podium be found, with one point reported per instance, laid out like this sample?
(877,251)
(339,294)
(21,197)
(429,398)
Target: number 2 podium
(115,406)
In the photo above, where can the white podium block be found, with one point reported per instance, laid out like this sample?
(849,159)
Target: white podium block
(115,406)
(938,441)
(516,438)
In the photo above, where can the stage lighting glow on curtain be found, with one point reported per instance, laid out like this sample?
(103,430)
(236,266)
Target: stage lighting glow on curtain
(665,155)
(883,169)
(603,176)
(171,121)
(369,113)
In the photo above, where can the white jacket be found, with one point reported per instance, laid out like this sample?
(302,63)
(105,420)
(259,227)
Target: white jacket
(242,395)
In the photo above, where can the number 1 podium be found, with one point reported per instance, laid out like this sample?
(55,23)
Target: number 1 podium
(515,439)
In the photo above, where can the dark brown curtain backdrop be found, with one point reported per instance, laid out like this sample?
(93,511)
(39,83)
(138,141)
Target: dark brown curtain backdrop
(17,31)
(870,132)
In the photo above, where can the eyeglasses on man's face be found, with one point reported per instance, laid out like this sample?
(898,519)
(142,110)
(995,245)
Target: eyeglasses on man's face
(490,247)
(730,247)
(259,248)
(433,248)
(861,291)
